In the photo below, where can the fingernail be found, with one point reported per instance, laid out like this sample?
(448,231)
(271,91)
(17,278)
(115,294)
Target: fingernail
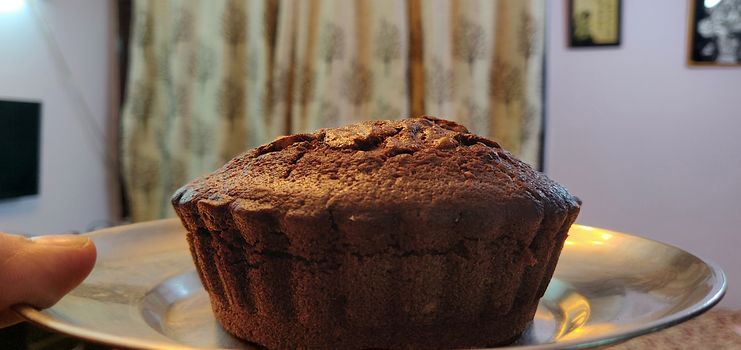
(73,241)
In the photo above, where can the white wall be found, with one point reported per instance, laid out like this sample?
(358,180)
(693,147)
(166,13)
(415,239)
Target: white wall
(652,146)
(73,189)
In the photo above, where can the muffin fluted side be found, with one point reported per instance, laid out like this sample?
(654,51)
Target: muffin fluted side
(390,234)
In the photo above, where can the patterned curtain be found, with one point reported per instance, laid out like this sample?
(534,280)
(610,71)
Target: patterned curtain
(210,79)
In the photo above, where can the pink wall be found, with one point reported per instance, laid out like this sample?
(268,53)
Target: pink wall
(74,191)
(651,146)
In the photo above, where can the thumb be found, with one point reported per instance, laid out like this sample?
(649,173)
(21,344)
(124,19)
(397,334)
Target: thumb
(42,270)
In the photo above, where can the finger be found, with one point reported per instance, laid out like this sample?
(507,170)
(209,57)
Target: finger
(39,272)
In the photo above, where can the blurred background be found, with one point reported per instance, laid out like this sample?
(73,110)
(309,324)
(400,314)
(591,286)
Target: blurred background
(633,105)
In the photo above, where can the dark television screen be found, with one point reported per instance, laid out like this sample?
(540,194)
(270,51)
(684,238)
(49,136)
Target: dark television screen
(20,125)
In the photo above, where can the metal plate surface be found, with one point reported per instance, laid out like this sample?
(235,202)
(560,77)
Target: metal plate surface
(608,287)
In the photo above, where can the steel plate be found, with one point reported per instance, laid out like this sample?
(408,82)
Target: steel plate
(608,287)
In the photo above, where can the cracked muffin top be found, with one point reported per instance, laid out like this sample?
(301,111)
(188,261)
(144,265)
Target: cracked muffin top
(381,166)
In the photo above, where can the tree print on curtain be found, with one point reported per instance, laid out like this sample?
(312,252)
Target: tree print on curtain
(201,64)
(333,44)
(388,44)
(305,85)
(505,83)
(231,99)
(140,102)
(209,79)
(143,29)
(526,32)
(234,24)
(469,45)
(439,83)
(183,30)
(357,85)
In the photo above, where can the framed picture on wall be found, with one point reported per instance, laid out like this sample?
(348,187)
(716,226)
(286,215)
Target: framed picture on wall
(715,33)
(594,22)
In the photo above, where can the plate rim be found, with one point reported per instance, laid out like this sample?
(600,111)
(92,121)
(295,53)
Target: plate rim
(713,297)
(39,318)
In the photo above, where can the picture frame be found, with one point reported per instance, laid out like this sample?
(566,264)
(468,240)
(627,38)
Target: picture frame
(594,23)
(714,33)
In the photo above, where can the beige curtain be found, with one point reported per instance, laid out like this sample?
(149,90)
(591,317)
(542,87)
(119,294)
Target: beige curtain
(210,79)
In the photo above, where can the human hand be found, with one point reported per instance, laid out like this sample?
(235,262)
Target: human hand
(41,270)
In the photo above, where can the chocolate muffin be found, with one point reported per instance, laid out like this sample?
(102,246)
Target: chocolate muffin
(384,234)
